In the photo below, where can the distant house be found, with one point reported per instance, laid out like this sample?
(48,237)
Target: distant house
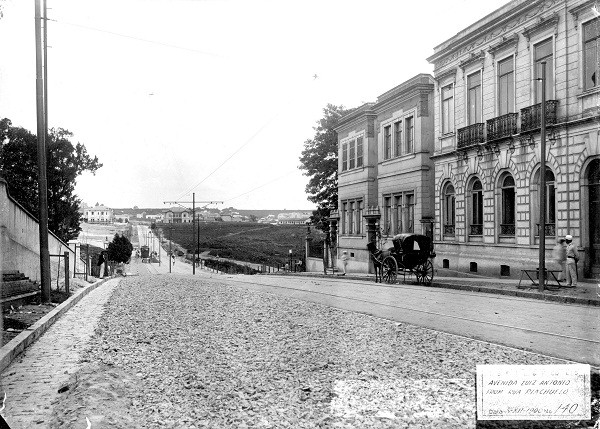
(155,217)
(294,218)
(98,214)
(122,217)
(177,215)
(226,218)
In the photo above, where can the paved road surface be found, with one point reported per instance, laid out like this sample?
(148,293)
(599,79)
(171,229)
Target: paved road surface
(569,332)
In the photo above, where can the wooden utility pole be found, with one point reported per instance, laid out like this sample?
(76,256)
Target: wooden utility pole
(41,147)
(542,229)
(193,202)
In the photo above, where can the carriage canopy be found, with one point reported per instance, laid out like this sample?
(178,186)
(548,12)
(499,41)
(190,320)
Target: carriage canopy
(409,243)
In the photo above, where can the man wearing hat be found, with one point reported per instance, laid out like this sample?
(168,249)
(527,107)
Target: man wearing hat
(571,262)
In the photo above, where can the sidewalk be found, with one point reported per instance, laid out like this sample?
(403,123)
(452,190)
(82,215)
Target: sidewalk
(586,292)
(32,380)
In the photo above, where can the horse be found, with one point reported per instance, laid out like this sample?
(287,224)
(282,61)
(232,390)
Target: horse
(377,258)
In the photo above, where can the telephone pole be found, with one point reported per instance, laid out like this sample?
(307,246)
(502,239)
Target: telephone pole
(193,202)
(41,147)
(542,229)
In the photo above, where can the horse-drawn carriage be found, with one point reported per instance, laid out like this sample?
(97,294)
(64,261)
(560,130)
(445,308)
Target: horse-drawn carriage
(411,254)
(145,251)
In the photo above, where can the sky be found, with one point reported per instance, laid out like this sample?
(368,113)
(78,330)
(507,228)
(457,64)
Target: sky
(212,97)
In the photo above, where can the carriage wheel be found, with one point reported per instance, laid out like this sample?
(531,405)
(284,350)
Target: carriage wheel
(424,273)
(389,270)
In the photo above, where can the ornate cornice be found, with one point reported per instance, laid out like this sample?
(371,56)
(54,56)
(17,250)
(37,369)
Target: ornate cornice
(472,59)
(542,24)
(446,74)
(505,42)
(508,22)
(583,7)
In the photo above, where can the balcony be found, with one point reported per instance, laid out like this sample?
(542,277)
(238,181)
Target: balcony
(507,229)
(470,136)
(448,230)
(531,116)
(475,229)
(549,230)
(502,126)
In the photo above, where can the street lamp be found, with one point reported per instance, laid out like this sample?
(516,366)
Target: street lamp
(290,265)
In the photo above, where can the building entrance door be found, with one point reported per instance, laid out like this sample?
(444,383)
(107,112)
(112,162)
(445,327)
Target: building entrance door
(594,211)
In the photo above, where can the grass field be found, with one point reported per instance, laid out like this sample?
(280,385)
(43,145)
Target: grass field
(250,242)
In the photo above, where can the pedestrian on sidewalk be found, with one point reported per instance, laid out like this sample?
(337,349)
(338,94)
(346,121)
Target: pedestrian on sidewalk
(173,259)
(344,261)
(101,263)
(560,256)
(571,262)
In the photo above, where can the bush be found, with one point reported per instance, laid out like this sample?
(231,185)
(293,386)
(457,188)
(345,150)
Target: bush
(119,250)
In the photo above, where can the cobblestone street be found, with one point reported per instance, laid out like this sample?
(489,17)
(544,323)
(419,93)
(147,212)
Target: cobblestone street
(176,351)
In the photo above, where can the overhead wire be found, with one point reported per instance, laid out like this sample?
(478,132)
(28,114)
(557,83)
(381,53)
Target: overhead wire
(261,186)
(155,42)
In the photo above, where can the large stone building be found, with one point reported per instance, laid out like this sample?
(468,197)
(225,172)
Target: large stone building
(98,214)
(487,137)
(385,175)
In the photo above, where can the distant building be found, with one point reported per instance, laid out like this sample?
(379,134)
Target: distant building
(122,217)
(177,215)
(294,218)
(98,214)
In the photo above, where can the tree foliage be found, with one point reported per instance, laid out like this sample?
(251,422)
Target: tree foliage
(65,162)
(119,250)
(319,160)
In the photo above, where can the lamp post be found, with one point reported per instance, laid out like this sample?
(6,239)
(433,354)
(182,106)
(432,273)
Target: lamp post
(290,265)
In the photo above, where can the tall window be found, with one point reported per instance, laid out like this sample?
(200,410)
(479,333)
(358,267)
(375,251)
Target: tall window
(507,225)
(448,109)
(358,222)
(398,203)
(344,156)
(387,142)
(506,86)
(476,227)
(543,52)
(550,226)
(591,36)
(398,138)
(344,217)
(350,217)
(409,200)
(359,152)
(352,156)
(387,215)
(410,134)
(449,209)
(474,98)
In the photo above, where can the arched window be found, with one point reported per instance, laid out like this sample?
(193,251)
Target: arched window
(507,221)
(476,209)
(550,227)
(449,209)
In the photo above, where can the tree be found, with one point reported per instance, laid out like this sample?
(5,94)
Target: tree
(65,162)
(319,160)
(119,250)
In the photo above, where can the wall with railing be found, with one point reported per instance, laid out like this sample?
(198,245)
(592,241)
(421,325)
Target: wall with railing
(20,244)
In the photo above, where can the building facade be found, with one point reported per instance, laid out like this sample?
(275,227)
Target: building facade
(488,111)
(385,174)
(98,214)
(177,215)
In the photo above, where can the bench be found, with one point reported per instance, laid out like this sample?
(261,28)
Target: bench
(551,276)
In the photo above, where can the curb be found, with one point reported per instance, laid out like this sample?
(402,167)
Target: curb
(14,347)
(509,292)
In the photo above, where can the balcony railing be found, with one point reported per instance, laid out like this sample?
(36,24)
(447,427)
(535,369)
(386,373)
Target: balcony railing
(502,126)
(507,229)
(448,229)
(531,116)
(470,135)
(549,230)
(475,229)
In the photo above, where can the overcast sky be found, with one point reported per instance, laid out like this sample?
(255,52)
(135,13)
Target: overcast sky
(165,92)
